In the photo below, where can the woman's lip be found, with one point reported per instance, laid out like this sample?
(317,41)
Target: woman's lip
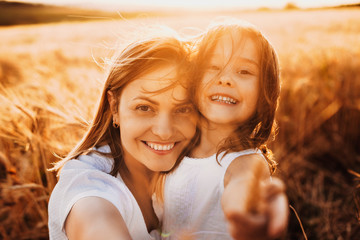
(159,147)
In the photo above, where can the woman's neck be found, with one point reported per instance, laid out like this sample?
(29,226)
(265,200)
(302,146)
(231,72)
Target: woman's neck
(139,180)
(211,136)
(135,175)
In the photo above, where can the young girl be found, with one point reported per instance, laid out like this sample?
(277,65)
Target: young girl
(143,125)
(222,191)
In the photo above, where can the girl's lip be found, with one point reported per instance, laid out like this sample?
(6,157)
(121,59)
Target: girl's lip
(223,99)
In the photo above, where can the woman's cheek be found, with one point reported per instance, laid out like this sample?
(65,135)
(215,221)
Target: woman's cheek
(188,125)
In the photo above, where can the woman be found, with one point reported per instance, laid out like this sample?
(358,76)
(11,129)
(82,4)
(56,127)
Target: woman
(143,125)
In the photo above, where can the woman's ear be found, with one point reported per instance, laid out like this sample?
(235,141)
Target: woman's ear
(112,101)
(113,108)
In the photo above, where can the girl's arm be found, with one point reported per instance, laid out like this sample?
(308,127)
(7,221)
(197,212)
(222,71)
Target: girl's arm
(255,207)
(95,218)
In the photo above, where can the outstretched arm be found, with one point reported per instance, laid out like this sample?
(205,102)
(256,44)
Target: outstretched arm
(94,218)
(255,206)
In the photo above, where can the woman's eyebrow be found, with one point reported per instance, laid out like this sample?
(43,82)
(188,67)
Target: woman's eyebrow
(179,102)
(146,99)
(183,102)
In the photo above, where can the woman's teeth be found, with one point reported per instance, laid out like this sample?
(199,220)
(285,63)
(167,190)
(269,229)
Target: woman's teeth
(223,99)
(160,147)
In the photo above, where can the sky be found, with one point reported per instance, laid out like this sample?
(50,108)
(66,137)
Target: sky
(191,4)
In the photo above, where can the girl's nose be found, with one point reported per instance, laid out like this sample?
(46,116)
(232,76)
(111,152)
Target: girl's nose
(163,127)
(225,80)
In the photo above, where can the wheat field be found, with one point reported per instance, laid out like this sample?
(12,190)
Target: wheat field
(51,76)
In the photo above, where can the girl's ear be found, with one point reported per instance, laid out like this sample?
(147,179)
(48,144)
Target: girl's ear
(112,101)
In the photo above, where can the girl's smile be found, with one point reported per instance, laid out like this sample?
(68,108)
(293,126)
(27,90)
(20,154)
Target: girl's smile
(223,99)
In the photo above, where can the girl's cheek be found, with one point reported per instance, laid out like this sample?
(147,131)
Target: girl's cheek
(207,77)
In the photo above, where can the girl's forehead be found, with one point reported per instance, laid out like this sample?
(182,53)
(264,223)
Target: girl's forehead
(230,46)
(232,40)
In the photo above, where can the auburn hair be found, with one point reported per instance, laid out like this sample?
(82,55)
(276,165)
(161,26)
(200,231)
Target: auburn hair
(135,60)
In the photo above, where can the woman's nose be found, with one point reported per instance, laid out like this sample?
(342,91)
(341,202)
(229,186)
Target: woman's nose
(163,127)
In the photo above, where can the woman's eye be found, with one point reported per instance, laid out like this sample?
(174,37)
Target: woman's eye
(143,108)
(186,109)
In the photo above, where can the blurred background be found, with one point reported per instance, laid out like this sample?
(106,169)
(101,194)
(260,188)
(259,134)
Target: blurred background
(53,58)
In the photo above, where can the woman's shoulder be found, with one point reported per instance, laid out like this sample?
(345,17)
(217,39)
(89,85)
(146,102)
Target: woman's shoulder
(79,180)
(94,215)
(98,159)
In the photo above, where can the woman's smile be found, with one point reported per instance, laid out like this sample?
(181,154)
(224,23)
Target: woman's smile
(160,148)
(156,123)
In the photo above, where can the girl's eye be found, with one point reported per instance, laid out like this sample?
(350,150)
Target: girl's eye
(143,108)
(214,68)
(244,72)
(185,109)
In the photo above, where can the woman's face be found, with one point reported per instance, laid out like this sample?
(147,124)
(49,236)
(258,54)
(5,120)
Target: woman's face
(155,126)
(229,90)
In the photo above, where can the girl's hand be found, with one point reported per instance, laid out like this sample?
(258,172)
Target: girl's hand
(267,221)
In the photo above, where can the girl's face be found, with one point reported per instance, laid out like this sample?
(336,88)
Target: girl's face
(155,126)
(229,90)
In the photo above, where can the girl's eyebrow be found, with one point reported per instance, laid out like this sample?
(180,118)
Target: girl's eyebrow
(247,60)
(238,59)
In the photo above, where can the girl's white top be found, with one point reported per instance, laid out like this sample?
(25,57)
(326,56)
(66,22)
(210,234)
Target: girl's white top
(81,178)
(192,197)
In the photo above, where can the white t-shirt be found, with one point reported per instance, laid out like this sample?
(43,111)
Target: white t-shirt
(88,176)
(192,197)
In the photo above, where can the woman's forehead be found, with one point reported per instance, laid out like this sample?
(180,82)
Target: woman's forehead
(158,78)
(160,81)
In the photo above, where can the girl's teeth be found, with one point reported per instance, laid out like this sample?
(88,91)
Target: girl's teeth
(227,100)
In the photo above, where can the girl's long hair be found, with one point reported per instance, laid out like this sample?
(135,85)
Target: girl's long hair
(257,131)
(137,59)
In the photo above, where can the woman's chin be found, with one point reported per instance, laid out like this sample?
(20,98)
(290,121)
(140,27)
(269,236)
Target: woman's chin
(161,167)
